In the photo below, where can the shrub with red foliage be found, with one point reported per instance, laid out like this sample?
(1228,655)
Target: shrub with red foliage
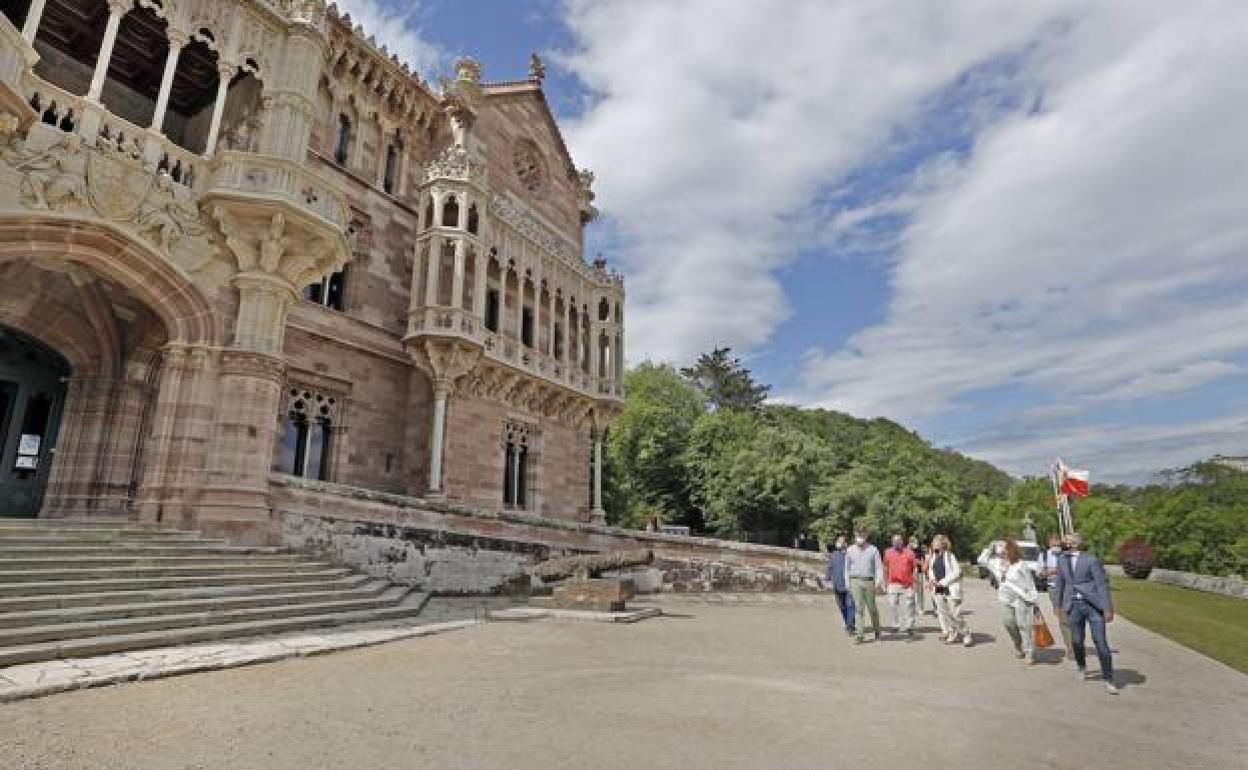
(1136,557)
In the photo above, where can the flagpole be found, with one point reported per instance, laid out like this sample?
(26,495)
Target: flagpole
(1058,498)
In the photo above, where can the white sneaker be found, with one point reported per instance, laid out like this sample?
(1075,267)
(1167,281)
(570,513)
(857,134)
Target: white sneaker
(967,641)
(1081,674)
(1111,688)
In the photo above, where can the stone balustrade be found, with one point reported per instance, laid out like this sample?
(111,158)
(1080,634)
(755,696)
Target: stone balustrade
(240,173)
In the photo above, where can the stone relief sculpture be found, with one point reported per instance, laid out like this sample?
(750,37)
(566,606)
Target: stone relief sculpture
(167,219)
(49,177)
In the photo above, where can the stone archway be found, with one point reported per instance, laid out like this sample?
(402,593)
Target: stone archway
(140,341)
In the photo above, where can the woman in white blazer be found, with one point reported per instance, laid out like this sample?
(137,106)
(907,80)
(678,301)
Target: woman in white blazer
(1017,595)
(944,576)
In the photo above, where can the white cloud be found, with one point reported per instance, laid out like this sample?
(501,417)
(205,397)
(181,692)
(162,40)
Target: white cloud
(397,27)
(1090,248)
(714,122)
(1096,252)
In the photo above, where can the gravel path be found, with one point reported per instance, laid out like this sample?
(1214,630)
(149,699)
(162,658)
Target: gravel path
(716,687)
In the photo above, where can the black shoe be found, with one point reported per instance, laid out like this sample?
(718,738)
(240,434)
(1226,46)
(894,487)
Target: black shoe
(849,630)
(878,637)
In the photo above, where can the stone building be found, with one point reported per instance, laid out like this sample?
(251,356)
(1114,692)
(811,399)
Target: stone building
(240,242)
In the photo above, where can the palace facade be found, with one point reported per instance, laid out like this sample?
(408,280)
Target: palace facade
(240,242)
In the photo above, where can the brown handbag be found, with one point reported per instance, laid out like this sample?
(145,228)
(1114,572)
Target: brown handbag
(1040,633)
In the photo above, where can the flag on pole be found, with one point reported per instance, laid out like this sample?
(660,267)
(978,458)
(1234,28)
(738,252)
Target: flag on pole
(1072,481)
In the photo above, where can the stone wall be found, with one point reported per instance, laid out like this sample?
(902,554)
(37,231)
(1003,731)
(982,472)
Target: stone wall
(1232,586)
(453,549)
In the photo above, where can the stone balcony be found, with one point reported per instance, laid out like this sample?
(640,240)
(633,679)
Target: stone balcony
(450,324)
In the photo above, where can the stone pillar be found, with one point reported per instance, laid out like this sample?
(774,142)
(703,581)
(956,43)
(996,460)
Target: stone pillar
(480,264)
(225,72)
(116,9)
(598,515)
(156,464)
(457,277)
(176,41)
(436,439)
(444,362)
(290,99)
(31,28)
(234,501)
(433,272)
(550,323)
(520,305)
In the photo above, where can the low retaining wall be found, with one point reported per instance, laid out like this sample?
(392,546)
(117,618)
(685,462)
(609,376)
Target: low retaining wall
(1235,587)
(450,549)
(1227,586)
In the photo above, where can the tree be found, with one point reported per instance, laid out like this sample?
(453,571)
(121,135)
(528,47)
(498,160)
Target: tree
(725,383)
(645,449)
(753,476)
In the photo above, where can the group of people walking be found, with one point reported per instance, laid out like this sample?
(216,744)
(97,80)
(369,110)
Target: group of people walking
(1078,590)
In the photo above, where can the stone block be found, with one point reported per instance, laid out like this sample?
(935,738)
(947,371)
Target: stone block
(603,595)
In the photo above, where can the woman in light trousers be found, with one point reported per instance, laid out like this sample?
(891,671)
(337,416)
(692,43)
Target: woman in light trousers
(944,579)
(1017,595)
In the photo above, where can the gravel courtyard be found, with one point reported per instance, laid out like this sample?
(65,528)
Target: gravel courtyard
(709,686)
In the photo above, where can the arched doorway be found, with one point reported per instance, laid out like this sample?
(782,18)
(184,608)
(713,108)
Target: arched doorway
(130,342)
(32,393)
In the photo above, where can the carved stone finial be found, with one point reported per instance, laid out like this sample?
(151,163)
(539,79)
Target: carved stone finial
(537,70)
(468,70)
(585,195)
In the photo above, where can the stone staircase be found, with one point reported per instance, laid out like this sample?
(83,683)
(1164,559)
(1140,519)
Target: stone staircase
(73,588)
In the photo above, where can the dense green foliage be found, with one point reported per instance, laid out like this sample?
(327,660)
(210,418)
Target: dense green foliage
(715,458)
(699,447)
(724,383)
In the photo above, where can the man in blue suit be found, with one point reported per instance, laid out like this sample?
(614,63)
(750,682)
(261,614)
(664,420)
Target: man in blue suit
(1083,592)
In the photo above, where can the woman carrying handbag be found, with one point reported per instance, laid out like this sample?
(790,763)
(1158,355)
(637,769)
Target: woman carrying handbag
(1017,595)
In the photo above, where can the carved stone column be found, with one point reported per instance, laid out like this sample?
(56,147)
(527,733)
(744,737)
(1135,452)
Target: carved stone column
(177,40)
(444,362)
(289,100)
(116,9)
(277,250)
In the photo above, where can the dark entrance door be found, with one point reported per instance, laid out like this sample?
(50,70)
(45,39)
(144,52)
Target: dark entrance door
(31,395)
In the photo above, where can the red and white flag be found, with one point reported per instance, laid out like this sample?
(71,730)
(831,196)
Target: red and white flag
(1073,481)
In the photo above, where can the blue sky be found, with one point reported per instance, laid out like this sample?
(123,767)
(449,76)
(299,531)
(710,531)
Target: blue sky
(1018,230)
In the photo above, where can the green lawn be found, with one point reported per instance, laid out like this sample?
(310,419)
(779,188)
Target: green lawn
(1209,623)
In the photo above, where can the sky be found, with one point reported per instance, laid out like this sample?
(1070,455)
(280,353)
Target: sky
(1017,228)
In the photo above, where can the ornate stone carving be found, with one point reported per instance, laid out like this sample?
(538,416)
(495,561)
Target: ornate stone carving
(524,223)
(537,70)
(445,361)
(455,162)
(167,218)
(52,178)
(585,195)
(117,182)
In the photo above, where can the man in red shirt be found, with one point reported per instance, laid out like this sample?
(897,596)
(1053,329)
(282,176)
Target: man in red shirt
(899,566)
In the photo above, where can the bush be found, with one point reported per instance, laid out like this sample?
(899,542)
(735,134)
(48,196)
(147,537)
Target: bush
(1137,558)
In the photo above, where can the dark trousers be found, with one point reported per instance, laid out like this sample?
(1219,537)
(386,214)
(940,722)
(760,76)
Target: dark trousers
(1080,613)
(846,604)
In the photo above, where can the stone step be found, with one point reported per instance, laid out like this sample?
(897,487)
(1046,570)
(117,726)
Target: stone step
(103,521)
(144,604)
(101,645)
(175,570)
(93,599)
(74,541)
(89,584)
(15,637)
(45,562)
(189,548)
(96,533)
